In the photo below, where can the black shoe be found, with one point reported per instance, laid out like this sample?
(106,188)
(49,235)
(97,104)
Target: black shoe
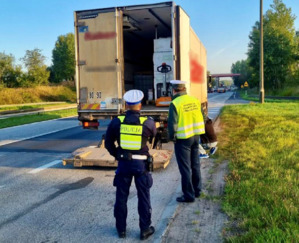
(183,199)
(147,233)
(121,234)
(197,194)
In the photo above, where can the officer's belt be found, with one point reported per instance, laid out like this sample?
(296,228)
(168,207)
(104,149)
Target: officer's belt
(137,156)
(125,155)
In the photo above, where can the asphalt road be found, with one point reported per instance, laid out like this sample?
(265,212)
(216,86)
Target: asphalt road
(43,201)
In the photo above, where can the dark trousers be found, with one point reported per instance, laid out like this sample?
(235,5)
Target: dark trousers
(122,181)
(186,152)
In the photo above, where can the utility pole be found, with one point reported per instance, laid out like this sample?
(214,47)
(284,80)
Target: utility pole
(262,91)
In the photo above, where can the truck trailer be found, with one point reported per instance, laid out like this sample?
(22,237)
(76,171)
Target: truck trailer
(136,47)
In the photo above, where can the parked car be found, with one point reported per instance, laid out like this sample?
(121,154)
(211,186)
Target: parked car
(211,90)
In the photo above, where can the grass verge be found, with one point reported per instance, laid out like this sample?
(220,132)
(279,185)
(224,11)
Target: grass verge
(262,188)
(43,116)
(267,100)
(32,106)
(37,94)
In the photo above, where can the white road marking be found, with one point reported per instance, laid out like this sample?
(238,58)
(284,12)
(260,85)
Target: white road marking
(2,187)
(55,162)
(21,132)
(6,142)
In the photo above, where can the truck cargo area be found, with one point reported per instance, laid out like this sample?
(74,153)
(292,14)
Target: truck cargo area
(135,47)
(147,44)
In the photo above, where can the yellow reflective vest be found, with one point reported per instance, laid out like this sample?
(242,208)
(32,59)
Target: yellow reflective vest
(190,119)
(131,135)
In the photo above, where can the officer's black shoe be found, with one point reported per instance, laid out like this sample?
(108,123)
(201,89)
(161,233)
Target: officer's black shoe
(197,194)
(144,234)
(121,234)
(183,199)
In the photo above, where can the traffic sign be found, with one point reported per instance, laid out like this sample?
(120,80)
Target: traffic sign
(245,84)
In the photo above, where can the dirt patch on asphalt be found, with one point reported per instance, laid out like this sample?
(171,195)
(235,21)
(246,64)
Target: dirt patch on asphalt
(203,220)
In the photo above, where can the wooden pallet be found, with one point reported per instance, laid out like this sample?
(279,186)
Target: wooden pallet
(94,156)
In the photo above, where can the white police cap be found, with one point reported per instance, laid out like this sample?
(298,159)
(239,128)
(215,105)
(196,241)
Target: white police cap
(133,96)
(177,82)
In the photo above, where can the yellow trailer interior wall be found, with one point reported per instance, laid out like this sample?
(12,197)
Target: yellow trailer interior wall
(198,68)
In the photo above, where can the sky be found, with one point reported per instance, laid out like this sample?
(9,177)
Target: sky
(223,26)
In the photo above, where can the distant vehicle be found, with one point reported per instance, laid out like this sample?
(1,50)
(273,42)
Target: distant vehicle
(211,90)
(221,89)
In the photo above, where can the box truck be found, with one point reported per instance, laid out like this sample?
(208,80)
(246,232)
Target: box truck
(136,47)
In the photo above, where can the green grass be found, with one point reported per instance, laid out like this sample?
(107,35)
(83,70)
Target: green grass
(253,94)
(288,91)
(32,106)
(43,116)
(267,100)
(262,188)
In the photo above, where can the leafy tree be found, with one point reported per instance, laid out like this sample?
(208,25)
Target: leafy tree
(37,71)
(63,58)
(6,64)
(279,46)
(243,69)
(294,79)
(10,75)
(14,77)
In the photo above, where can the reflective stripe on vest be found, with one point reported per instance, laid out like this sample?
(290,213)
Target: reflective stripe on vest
(190,119)
(131,135)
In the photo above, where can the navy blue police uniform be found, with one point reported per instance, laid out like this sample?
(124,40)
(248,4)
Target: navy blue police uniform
(129,168)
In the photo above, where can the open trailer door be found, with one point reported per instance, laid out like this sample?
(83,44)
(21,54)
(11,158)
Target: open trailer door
(99,59)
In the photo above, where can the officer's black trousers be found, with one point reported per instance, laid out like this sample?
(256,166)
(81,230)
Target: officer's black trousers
(122,182)
(186,152)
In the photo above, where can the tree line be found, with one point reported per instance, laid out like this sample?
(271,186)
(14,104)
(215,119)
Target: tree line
(281,51)
(37,73)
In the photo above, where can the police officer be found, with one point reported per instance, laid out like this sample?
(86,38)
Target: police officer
(185,124)
(131,133)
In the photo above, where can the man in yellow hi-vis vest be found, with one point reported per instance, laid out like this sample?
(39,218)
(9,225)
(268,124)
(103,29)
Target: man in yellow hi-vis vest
(185,124)
(131,133)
